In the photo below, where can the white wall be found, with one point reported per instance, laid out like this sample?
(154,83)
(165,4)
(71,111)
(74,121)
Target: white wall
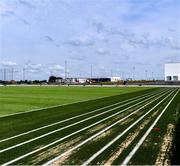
(82,80)
(172,69)
(115,79)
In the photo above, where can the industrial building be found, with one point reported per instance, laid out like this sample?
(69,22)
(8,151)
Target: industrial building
(56,80)
(53,79)
(172,71)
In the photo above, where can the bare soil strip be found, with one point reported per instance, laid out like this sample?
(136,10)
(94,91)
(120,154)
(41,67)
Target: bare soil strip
(119,136)
(60,129)
(91,138)
(130,138)
(70,145)
(81,115)
(143,138)
(162,158)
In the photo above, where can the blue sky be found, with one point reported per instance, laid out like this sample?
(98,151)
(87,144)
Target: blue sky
(114,36)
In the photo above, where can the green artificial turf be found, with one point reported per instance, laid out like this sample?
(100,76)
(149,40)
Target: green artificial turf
(20,99)
(154,140)
(17,124)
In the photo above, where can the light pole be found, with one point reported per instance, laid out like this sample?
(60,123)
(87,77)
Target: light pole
(91,72)
(146,74)
(12,74)
(24,74)
(68,74)
(152,75)
(123,75)
(65,69)
(133,73)
(4,74)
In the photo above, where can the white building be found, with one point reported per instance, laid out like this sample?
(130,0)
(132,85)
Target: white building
(115,79)
(172,72)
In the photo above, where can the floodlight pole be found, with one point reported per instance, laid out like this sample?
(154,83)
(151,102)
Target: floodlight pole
(24,74)
(4,74)
(65,71)
(12,74)
(91,71)
(122,75)
(133,73)
(152,75)
(146,74)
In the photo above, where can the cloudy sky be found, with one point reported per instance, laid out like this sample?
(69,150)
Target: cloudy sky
(115,37)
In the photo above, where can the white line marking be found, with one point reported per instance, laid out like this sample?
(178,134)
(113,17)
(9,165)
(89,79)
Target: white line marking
(132,153)
(73,124)
(119,136)
(97,134)
(61,139)
(68,119)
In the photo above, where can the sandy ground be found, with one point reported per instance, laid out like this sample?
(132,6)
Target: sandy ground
(128,141)
(163,158)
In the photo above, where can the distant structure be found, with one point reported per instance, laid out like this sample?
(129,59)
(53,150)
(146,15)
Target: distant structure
(115,79)
(172,71)
(53,79)
(56,80)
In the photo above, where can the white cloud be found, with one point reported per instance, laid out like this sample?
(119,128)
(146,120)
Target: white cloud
(8,63)
(145,31)
(34,66)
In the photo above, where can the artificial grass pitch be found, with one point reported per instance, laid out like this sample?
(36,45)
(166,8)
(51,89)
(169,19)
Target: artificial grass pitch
(20,99)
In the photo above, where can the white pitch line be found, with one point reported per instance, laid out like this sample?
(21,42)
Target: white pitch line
(73,124)
(78,131)
(59,105)
(68,119)
(132,153)
(97,134)
(119,136)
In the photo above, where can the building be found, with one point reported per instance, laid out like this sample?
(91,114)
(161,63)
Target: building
(98,80)
(115,79)
(59,80)
(76,80)
(53,79)
(172,71)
